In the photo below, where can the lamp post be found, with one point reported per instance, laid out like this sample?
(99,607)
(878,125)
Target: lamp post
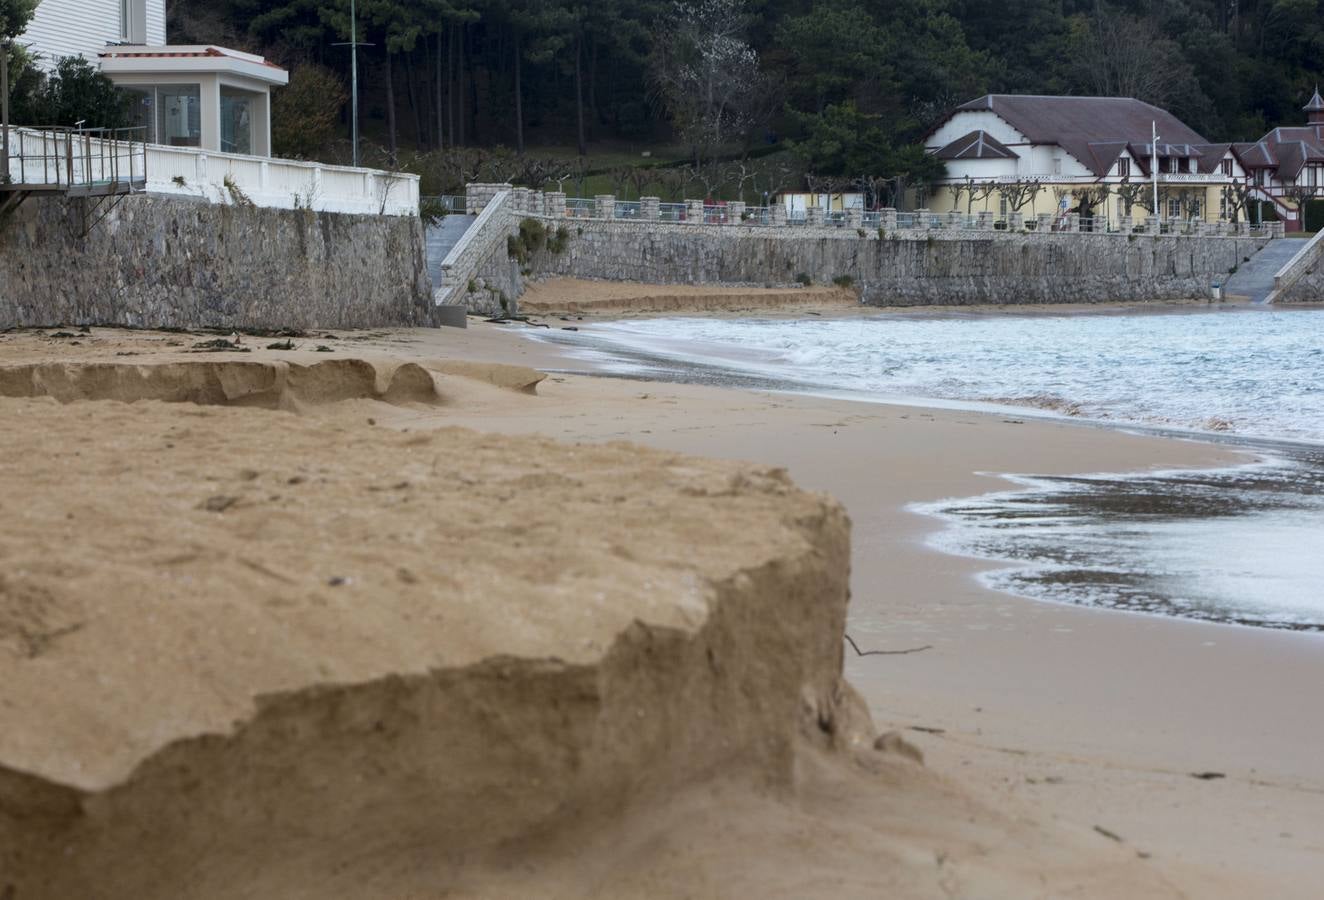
(354,76)
(1153,169)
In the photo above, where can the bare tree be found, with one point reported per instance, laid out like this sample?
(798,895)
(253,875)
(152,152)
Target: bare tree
(1299,195)
(1236,197)
(1019,193)
(706,74)
(1137,193)
(1127,56)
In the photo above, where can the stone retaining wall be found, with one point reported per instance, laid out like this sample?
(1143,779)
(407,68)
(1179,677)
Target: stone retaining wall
(903,269)
(157,262)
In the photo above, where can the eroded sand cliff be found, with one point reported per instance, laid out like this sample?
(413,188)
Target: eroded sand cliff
(251,653)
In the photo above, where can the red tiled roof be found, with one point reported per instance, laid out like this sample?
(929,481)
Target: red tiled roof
(208,53)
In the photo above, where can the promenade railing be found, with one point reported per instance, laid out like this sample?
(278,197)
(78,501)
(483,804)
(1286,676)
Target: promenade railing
(882,222)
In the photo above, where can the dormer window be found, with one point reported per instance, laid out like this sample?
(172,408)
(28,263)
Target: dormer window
(1227,167)
(1124,168)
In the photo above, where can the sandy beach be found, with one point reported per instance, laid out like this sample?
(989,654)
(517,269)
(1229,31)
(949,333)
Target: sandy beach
(1080,732)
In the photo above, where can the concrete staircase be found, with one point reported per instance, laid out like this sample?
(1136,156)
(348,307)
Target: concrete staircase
(1254,279)
(441,238)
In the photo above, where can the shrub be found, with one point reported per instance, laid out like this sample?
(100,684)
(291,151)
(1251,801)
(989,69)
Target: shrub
(843,281)
(860,231)
(559,241)
(431,210)
(803,278)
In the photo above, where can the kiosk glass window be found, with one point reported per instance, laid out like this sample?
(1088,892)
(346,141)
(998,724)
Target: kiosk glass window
(236,121)
(179,115)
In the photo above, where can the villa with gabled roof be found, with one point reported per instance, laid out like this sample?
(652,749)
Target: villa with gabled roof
(1091,156)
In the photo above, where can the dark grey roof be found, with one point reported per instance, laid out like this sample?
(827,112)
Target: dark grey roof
(1074,123)
(1316,103)
(976,145)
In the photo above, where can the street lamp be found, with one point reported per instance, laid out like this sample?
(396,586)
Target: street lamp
(354,46)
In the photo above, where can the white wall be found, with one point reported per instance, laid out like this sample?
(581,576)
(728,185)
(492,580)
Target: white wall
(279,183)
(62,28)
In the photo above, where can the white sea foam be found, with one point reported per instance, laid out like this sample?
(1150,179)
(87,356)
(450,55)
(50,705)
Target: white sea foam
(1242,545)
(1252,372)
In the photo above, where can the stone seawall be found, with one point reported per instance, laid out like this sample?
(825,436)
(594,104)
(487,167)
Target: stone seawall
(155,262)
(909,268)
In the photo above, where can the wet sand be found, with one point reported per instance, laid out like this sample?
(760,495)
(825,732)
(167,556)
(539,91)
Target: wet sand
(1065,713)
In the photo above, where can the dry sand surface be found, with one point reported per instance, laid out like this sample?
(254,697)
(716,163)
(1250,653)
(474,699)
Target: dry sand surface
(332,646)
(578,296)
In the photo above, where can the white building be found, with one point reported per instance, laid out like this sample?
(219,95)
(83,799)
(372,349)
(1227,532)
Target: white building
(1090,155)
(212,98)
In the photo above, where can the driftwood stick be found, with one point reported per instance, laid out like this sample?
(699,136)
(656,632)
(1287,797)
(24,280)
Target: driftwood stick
(858,652)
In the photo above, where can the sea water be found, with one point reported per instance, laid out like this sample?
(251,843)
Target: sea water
(1243,545)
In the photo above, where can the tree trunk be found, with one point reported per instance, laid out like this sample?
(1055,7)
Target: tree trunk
(519,99)
(450,91)
(413,100)
(441,136)
(390,107)
(459,86)
(579,95)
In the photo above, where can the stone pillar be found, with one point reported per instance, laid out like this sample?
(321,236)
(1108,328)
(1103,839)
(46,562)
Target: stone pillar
(1073,223)
(1043,222)
(694,212)
(735,212)
(887,219)
(984,221)
(649,208)
(1015,221)
(604,206)
(478,195)
(556,204)
(814,215)
(1279,229)
(1151,225)
(1125,224)
(955,219)
(777,213)
(854,217)
(923,219)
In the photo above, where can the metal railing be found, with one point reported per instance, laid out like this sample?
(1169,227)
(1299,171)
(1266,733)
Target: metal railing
(448,203)
(89,160)
(580,208)
(893,220)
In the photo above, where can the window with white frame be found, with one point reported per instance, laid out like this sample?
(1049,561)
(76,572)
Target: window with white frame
(1174,208)
(1227,167)
(133,21)
(1124,168)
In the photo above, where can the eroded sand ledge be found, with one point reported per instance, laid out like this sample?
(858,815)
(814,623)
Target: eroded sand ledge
(248,653)
(442,639)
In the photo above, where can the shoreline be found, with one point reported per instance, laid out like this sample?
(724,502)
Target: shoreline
(1078,714)
(1061,715)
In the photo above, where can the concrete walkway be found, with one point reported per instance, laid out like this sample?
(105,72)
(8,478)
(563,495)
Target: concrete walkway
(1254,279)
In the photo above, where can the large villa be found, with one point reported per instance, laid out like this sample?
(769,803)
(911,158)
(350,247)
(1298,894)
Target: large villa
(1096,157)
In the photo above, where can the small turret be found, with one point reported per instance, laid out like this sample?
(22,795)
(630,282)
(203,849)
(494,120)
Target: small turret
(1315,109)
